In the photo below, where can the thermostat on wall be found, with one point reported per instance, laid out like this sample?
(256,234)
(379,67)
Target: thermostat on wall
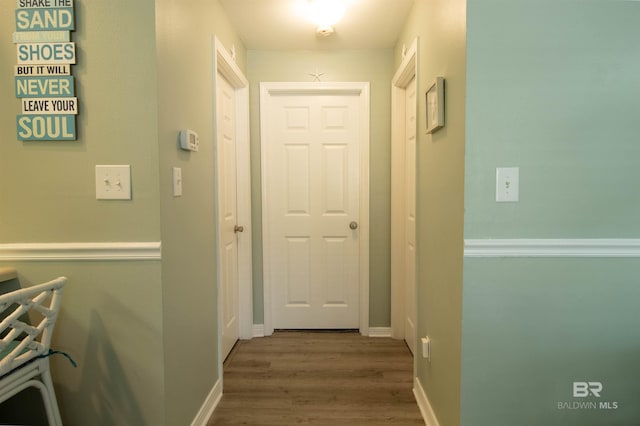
(189,140)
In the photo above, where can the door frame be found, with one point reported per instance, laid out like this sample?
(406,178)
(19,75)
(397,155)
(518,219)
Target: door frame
(407,70)
(361,89)
(225,65)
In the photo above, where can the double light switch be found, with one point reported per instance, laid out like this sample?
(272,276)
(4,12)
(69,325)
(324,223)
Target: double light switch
(113,182)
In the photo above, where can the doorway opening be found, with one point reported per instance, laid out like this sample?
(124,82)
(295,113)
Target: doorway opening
(403,199)
(315,205)
(233,202)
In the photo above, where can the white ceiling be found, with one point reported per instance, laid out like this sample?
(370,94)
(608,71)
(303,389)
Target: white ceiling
(278,24)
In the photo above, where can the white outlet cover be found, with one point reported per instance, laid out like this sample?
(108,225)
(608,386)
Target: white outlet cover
(113,182)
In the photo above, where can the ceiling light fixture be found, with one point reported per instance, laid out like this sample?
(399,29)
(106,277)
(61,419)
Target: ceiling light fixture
(325,14)
(325,31)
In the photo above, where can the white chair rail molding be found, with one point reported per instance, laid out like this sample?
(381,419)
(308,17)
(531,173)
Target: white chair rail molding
(81,251)
(588,247)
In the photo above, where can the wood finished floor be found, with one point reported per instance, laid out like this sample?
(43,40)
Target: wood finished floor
(318,378)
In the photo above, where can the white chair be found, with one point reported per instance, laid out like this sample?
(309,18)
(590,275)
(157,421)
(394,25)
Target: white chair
(29,315)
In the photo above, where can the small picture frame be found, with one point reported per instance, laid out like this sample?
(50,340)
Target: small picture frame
(435,105)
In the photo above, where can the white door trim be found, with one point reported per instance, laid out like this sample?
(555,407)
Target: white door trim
(407,70)
(325,88)
(226,66)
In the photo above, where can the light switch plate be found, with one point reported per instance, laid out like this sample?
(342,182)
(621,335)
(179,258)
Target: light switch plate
(507,184)
(177,182)
(426,348)
(113,182)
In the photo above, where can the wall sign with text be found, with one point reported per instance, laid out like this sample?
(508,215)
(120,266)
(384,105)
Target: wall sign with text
(43,80)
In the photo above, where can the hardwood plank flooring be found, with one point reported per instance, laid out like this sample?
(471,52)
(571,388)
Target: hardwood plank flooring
(318,378)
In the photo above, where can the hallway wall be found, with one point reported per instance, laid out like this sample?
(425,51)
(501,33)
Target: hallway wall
(144,332)
(440,26)
(376,67)
(552,88)
(111,319)
(189,271)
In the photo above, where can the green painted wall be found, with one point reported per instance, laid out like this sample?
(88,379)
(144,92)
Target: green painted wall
(115,85)
(558,98)
(111,319)
(189,286)
(111,325)
(441,28)
(144,72)
(552,88)
(376,67)
(533,327)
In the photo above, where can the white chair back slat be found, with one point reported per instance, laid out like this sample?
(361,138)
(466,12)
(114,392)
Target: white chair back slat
(32,340)
(25,334)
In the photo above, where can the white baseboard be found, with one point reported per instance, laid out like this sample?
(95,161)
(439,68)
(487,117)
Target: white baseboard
(258,330)
(379,331)
(210,404)
(428,414)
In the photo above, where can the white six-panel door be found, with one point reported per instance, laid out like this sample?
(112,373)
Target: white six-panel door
(404,95)
(228,217)
(312,194)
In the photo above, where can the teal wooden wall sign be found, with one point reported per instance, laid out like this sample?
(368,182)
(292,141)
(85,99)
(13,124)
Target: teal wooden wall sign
(45,19)
(43,80)
(41,36)
(45,87)
(46,127)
